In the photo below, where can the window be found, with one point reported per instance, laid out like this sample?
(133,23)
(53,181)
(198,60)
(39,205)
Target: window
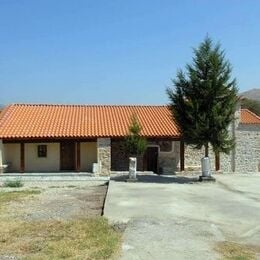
(42,150)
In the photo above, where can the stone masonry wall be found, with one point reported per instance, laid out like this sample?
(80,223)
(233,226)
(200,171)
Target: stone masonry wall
(247,151)
(104,155)
(244,158)
(168,161)
(192,158)
(120,158)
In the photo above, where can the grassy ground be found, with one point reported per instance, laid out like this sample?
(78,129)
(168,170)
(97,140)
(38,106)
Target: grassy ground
(90,238)
(235,251)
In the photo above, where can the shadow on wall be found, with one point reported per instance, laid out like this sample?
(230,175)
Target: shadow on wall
(158,179)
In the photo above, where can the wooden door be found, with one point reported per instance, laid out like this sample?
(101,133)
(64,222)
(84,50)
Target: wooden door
(152,159)
(67,156)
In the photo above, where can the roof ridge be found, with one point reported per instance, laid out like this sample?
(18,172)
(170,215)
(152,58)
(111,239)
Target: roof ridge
(84,105)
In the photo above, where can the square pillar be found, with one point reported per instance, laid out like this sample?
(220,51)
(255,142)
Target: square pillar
(104,155)
(182,156)
(1,156)
(22,163)
(78,156)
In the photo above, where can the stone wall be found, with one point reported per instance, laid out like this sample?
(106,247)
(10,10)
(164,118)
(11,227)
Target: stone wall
(244,158)
(168,160)
(120,158)
(247,150)
(192,158)
(104,155)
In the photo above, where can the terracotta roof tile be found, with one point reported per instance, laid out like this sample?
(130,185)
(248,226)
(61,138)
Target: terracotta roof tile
(83,121)
(248,117)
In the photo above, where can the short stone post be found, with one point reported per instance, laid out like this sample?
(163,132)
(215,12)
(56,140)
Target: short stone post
(132,169)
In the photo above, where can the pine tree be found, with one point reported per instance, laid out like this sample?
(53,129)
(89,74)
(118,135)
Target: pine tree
(204,98)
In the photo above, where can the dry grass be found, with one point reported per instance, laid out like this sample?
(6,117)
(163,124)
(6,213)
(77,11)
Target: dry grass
(8,196)
(75,239)
(235,251)
(90,238)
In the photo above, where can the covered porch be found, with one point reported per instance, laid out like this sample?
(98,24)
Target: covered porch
(50,155)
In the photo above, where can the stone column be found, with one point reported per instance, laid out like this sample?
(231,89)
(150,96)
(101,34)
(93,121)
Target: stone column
(104,155)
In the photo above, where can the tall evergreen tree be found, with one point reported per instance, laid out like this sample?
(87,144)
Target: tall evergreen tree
(204,98)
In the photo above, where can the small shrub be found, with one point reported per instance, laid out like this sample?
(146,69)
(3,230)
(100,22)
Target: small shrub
(13,183)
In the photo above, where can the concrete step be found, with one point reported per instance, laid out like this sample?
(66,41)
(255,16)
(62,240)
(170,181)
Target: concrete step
(31,177)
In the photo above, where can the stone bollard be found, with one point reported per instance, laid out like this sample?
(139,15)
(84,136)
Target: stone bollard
(205,167)
(132,169)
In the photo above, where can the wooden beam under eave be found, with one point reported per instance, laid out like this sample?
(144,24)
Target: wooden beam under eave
(78,157)
(182,152)
(22,164)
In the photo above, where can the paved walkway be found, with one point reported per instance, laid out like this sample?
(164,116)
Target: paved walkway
(177,218)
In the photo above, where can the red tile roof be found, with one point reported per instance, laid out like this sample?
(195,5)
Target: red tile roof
(83,121)
(248,117)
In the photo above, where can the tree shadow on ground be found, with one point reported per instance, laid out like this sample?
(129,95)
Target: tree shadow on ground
(158,179)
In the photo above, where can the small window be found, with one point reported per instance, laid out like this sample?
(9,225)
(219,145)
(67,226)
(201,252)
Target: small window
(42,150)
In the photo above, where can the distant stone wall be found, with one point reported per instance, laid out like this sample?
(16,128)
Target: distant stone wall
(104,155)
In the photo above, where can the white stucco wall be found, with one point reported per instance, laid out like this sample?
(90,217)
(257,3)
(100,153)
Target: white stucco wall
(33,163)
(88,155)
(12,157)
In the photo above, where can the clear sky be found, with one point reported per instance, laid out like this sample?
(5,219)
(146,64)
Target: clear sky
(117,51)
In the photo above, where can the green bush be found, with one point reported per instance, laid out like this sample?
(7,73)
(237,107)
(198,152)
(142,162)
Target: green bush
(13,183)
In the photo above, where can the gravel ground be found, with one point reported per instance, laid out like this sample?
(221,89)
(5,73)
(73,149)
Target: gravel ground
(59,201)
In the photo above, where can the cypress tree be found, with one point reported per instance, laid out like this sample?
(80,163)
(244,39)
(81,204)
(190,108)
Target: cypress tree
(203,99)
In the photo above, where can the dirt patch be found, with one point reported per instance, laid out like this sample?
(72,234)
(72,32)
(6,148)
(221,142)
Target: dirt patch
(62,203)
(235,251)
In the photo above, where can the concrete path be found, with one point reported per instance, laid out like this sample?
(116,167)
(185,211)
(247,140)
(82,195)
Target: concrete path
(177,218)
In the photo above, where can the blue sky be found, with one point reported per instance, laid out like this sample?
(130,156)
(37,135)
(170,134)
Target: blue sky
(117,51)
